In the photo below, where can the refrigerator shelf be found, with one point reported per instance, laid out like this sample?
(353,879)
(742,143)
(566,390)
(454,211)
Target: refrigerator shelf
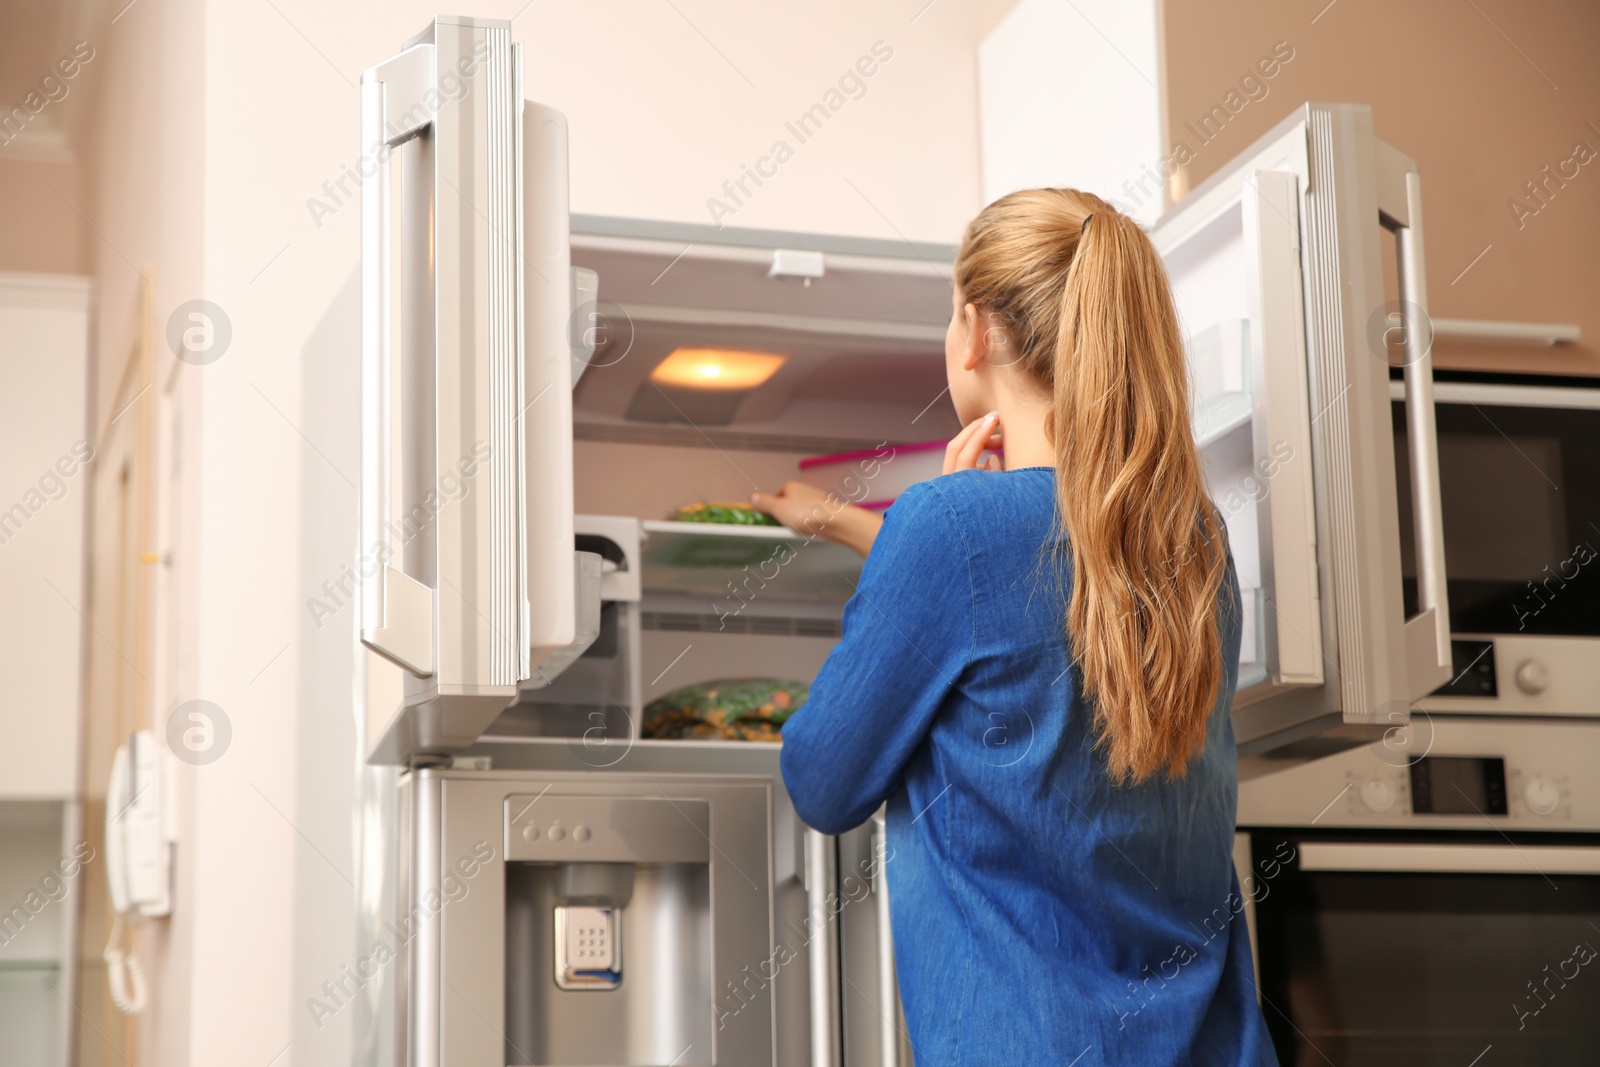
(719,530)
(740,564)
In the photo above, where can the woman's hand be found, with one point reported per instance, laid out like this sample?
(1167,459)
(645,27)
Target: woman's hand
(810,511)
(964,451)
(814,513)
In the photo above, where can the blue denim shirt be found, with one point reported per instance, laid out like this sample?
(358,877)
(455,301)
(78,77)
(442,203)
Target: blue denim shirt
(1041,914)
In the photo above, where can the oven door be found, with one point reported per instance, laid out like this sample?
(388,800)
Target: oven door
(1429,948)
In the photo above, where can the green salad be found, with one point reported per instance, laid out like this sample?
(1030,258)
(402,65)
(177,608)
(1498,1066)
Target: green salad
(727,514)
(729,709)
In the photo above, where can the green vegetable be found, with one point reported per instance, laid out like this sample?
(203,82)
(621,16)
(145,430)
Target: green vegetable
(730,709)
(727,514)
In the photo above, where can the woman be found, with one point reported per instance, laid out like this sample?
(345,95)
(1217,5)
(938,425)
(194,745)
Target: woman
(1036,673)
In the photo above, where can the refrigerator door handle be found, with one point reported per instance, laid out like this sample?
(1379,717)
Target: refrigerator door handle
(821,881)
(396,609)
(1428,662)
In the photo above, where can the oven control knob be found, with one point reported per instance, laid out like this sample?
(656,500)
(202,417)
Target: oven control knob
(1541,794)
(1377,794)
(1533,677)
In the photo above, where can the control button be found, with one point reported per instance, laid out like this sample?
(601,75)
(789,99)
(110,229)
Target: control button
(580,834)
(1377,794)
(530,832)
(1532,676)
(1472,670)
(1542,795)
(557,833)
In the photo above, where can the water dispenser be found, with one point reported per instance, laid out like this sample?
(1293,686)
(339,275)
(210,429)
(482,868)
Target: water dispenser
(661,912)
(609,925)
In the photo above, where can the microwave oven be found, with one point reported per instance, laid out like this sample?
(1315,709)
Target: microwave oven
(1519,472)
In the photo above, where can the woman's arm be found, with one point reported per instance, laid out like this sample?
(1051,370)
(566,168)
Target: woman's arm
(908,636)
(808,510)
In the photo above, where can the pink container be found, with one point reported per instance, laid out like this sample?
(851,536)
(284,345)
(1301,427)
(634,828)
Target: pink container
(874,477)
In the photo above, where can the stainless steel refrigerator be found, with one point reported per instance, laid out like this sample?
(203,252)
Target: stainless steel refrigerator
(554,888)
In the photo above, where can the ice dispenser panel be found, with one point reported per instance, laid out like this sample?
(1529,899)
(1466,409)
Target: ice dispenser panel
(612,948)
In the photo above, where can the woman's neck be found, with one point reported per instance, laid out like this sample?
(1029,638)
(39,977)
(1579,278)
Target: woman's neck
(1022,420)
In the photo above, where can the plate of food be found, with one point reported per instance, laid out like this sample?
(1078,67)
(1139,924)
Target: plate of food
(726,709)
(723,513)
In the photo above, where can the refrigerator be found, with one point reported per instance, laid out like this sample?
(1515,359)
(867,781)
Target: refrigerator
(559,889)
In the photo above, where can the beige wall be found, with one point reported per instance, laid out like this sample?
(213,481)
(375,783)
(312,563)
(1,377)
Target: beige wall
(1481,107)
(41,230)
(42,109)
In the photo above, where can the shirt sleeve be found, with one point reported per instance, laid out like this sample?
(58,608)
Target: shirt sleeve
(908,634)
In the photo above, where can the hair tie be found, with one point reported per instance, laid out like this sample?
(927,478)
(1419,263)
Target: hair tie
(1085,225)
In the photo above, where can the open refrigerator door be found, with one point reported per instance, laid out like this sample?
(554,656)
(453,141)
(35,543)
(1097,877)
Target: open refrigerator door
(470,579)
(1276,265)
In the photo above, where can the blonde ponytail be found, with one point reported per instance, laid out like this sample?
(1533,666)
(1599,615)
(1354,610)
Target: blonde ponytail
(1086,303)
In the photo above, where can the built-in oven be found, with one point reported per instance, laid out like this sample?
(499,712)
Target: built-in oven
(1433,898)
(1519,473)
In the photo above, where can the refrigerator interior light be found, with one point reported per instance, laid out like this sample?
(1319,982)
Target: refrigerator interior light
(716,368)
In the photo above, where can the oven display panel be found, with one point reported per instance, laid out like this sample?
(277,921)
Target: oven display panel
(1458,785)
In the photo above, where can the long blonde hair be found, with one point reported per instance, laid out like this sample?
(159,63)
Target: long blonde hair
(1085,309)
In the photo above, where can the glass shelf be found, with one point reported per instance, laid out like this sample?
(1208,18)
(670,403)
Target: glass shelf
(740,564)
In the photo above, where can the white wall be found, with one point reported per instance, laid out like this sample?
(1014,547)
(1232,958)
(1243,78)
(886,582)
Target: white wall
(44,484)
(1069,96)
(660,119)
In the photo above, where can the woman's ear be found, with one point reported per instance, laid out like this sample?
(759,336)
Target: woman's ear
(977,346)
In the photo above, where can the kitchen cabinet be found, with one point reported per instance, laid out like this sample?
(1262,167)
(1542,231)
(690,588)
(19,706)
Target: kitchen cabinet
(1067,96)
